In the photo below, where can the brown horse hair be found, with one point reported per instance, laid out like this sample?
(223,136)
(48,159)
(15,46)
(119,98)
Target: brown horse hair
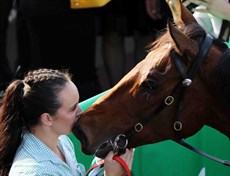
(161,45)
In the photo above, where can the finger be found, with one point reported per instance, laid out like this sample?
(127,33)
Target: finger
(128,157)
(132,149)
(110,156)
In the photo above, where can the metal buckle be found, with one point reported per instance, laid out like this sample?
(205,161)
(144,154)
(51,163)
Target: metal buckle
(138,127)
(177,125)
(169,100)
(120,145)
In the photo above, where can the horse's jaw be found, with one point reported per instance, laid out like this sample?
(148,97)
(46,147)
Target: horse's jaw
(137,143)
(220,122)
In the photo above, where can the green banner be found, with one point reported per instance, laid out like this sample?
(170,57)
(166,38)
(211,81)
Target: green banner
(171,159)
(228,44)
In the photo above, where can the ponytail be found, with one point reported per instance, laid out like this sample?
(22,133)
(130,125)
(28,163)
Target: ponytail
(11,124)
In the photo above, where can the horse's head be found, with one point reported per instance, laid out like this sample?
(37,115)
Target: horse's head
(168,95)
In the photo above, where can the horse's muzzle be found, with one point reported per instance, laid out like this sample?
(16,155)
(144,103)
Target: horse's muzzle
(82,138)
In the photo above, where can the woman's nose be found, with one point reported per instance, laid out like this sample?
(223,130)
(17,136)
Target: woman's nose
(78,111)
(78,108)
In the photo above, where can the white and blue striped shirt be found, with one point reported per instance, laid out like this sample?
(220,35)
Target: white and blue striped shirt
(34,158)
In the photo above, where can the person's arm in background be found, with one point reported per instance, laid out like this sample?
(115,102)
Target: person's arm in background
(219,8)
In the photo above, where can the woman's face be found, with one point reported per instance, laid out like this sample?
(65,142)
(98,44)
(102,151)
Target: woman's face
(67,114)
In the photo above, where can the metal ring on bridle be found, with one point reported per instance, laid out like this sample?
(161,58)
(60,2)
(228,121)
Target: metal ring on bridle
(119,149)
(138,127)
(177,126)
(169,100)
(116,140)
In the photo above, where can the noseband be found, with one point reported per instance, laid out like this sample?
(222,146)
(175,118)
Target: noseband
(117,145)
(187,78)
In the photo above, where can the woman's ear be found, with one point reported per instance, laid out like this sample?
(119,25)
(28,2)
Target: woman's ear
(46,119)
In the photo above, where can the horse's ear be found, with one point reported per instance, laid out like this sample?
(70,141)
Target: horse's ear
(181,15)
(182,43)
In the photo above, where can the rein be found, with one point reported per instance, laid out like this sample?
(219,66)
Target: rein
(116,158)
(178,91)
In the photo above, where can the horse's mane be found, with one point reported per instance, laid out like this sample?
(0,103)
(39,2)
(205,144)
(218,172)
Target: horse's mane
(163,40)
(161,45)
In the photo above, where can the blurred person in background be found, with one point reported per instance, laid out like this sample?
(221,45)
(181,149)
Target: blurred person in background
(52,35)
(118,20)
(214,17)
(5,71)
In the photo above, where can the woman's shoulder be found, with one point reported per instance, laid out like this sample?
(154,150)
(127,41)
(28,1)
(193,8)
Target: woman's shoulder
(30,165)
(31,168)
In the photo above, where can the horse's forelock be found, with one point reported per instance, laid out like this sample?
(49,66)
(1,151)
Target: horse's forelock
(193,31)
(162,46)
(161,41)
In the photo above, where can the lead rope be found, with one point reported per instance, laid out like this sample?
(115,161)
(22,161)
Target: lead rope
(123,163)
(116,158)
(94,166)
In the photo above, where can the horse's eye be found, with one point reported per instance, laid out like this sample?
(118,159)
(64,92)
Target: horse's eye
(150,84)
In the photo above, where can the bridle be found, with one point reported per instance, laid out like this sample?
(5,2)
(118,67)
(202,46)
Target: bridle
(187,81)
(120,142)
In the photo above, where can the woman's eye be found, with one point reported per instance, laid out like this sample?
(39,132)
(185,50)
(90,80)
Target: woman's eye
(74,107)
(150,84)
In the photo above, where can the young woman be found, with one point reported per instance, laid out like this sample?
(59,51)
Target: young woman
(36,113)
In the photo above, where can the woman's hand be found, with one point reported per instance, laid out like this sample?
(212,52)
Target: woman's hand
(113,168)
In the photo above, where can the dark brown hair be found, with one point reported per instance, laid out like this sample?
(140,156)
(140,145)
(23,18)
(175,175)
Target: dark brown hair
(21,106)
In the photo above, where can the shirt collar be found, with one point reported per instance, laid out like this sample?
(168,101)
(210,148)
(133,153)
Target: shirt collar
(40,151)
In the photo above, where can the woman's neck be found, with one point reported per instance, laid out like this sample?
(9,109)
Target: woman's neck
(50,139)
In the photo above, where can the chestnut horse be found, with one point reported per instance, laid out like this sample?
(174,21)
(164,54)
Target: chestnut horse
(181,85)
